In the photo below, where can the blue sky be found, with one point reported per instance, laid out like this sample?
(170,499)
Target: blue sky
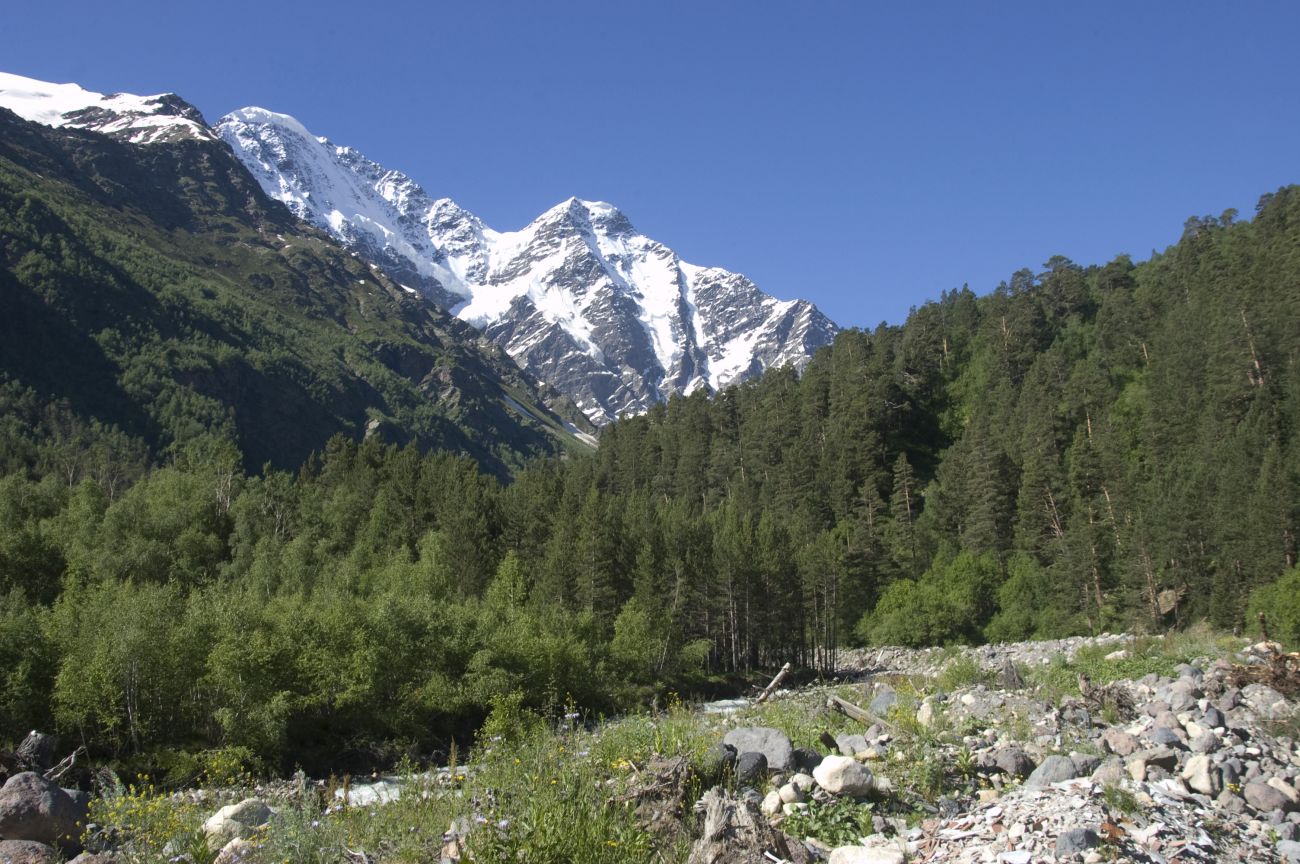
(864,155)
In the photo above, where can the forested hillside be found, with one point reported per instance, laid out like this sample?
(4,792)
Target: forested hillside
(155,288)
(1084,448)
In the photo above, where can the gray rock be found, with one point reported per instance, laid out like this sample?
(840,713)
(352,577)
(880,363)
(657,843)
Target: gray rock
(1076,841)
(851,745)
(27,852)
(1265,798)
(751,768)
(1290,850)
(1084,763)
(1206,742)
(884,700)
(1163,736)
(96,858)
(1054,769)
(1230,699)
(1213,718)
(772,743)
(33,808)
(719,760)
(1013,762)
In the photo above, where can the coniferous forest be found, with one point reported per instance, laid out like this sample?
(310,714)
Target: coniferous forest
(1084,448)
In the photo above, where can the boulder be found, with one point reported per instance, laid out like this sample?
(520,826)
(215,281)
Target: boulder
(851,745)
(1201,775)
(27,852)
(1119,742)
(1013,762)
(235,851)
(842,775)
(33,808)
(1265,798)
(1075,841)
(235,821)
(772,743)
(751,768)
(1054,769)
(883,701)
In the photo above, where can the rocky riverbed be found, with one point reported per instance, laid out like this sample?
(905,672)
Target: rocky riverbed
(1090,750)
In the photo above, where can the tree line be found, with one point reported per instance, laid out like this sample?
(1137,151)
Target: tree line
(1085,448)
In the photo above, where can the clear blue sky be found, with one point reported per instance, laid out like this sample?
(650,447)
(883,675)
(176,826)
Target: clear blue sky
(865,155)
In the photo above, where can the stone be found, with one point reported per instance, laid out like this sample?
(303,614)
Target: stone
(1202,776)
(33,808)
(751,768)
(925,714)
(1285,788)
(1214,719)
(1206,742)
(235,821)
(1075,841)
(806,760)
(1053,769)
(1013,762)
(237,850)
(1084,763)
(1290,850)
(771,804)
(851,745)
(1109,772)
(719,761)
(1119,742)
(841,775)
(790,794)
(867,855)
(803,782)
(884,701)
(1265,798)
(772,743)
(96,858)
(1163,736)
(27,852)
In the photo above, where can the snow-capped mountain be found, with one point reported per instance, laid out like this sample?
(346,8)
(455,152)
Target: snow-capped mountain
(578,297)
(137,119)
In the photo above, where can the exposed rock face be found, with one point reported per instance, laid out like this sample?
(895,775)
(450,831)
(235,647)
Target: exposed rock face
(610,317)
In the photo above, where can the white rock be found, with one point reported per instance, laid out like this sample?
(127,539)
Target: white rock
(803,782)
(841,775)
(867,855)
(1285,788)
(790,794)
(771,804)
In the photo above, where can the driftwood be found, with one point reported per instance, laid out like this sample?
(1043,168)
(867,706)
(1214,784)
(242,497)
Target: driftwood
(847,708)
(56,773)
(736,833)
(767,691)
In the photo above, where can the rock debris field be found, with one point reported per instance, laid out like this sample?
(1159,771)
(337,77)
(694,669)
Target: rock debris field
(1087,749)
(1194,766)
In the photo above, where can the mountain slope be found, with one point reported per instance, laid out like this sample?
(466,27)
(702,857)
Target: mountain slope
(155,287)
(609,316)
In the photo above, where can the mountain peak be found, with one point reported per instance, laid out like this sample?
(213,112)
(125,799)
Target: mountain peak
(137,119)
(610,317)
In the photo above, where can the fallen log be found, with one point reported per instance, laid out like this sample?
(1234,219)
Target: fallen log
(767,691)
(860,714)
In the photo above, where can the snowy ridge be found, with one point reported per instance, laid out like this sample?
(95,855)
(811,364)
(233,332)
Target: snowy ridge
(136,119)
(578,297)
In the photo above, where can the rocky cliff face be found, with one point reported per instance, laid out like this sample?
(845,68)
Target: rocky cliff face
(579,297)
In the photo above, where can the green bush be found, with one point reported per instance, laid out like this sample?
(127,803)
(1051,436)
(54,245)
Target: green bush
(1280,605)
